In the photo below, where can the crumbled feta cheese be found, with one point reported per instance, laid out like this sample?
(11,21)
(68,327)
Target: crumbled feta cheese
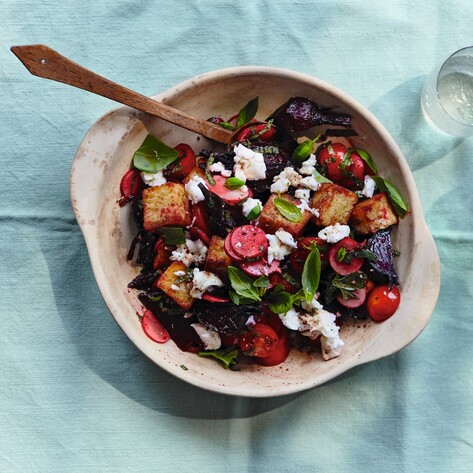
(226,173)
(179,273)
(210,338)
(192,251)
(217,167)
(334,233)
(248,164)
(291,319)
(153,179)
(277,248)
(285,179)
(310,183)
(174,287)
(304,205)
(202,281)
(331,346)
(303,194)
(250,204)
(286,238)
(368,189)
(308,166)
(193,191)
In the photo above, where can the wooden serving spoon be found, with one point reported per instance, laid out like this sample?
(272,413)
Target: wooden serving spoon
(43,61)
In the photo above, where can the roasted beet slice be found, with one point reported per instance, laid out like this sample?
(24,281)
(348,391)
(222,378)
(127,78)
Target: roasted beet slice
(171,317)
(382,270)
(226,318)
(144,281)
(300,113)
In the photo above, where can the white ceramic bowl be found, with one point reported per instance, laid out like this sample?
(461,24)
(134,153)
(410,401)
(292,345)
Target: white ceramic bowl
(105,154)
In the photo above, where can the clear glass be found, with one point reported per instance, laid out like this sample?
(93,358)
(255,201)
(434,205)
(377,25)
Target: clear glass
(447,96)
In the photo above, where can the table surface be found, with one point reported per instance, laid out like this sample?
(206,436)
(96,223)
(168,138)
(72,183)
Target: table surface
(75,394)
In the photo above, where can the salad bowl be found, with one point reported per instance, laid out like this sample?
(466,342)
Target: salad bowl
(105,155)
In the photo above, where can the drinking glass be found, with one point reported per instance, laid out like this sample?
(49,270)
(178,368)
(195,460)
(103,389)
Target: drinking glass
(447,96)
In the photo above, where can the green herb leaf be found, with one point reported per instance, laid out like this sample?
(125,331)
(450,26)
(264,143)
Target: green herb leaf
(234,183)
(363,253)
(242,286)
(262,281)
(227,126)
(227,357)
(304,150)
(367,159)
(255,212)
(341,253)
(394,195)
(288,210)
(208,174)
(153,155)
(320,178)
(280,302)
(248,112)
(311,274)
(173,235)
(350,282)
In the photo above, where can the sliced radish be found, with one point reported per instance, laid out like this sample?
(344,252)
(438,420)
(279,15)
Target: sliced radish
(339,266)
(354,303)
(229,249)
(212,298)
(260,268)
(153,329)
(230,196)
(249,242)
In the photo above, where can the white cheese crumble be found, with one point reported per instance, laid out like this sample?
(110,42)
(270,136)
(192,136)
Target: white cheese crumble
(210,338)
(286,178)
(334,233)
(302,194)
(291,319)
(193,191)
(179,273)
(250,204)
(280,245)
(174,287)
(310,183)
(368,189)
(248,164)
(304,205)
(192,251)
(153,179)
(217,167)
(202,281)
(308,166)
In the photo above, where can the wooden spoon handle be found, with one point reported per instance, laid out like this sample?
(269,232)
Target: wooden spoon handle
(43,61)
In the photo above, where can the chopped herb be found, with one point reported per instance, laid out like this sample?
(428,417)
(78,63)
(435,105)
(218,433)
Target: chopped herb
(227,357)
(255,212)
(234,183)
(184,367)
(173,235)
(288,210)
(208,174)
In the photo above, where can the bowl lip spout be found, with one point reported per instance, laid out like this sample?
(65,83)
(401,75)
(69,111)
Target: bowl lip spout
(86,203)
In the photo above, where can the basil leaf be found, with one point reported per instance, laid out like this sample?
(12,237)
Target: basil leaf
(288,210)
(227,356)
(364,253)
(320,178)
(367,159)
(304,150)
(173,235)
(234,183)
(248,112)
(153,155)
(262,281)
(255,212)
(280,303)
(311,274)
(341,253)
(227,126)
(242,284)
(350,282)
(394,195)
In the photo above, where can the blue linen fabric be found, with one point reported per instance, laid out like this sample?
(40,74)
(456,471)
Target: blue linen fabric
(75,394)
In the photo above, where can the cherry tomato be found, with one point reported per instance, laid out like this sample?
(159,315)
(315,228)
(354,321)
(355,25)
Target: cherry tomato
(200,217)
(350,174)
(298,256)
(262,131)
(183,165)
(279,353)
(339,266)
(382,302)
(130,185)
(259,340)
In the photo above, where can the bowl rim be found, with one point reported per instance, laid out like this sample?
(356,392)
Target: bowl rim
(378,348)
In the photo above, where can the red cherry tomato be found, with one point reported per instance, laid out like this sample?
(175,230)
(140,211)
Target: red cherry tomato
(262,131)
(200,218)
(130,185)
(259,340)
(349,175)
(339,266)
(279,352)
(298,256)
(383,302)
(183,165)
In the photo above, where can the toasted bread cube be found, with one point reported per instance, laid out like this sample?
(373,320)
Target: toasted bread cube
(373,214)
(334,204)
(271,220)
(217,260)
(162,257)
(165,206)
(173,285)
(194,172)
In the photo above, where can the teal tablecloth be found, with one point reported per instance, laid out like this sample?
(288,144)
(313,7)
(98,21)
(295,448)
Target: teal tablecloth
(75,394)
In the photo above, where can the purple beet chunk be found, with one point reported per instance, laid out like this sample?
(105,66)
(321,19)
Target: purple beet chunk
(226,318)
(382,270)
(300,113)
(173,320)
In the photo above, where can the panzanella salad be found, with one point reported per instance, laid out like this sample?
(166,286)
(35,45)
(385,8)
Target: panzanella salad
(268,245)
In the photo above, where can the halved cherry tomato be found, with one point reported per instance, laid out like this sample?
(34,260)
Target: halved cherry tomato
(198,234)
(183,165)
(279,353)
(288,287)
(230,196)
(339,266)
(353,303)
(350,174)
(297,258)
(263,132)
(130,185)
(259,340)
(383,302)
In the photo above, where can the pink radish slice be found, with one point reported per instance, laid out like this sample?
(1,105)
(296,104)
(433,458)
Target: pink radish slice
(153,329)
(354,303)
